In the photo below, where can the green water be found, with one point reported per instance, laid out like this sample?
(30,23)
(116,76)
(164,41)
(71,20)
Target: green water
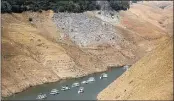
(90,90)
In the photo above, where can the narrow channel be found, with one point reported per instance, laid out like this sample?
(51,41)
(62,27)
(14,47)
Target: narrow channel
(90,90)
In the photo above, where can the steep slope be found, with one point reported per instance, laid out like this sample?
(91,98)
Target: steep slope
(30,56)
(151,78)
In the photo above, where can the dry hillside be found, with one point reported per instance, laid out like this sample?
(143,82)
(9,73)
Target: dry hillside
(152,12)
(30,55)
(35,52)
(151,78)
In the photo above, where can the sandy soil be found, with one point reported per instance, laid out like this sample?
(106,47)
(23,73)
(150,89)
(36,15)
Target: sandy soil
(151,78)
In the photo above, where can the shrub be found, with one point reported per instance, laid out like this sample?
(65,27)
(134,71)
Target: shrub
(30,19)
(40,11)
(119,5)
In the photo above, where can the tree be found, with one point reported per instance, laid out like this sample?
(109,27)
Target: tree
(119,5)
(5,7)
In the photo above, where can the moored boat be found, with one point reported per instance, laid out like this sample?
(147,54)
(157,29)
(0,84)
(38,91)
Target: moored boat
(91,79)
(41,96)
(64,88)
(76,84)
(103,75)
(81,90)
(84,82)
(54,91)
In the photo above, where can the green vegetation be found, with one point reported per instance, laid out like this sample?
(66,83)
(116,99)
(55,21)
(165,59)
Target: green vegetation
(135,1)
(119,5)
(77,6)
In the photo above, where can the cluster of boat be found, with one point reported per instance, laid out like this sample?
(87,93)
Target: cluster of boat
(76,84)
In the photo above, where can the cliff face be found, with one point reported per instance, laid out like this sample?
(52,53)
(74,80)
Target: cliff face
(151,78)
(35,52)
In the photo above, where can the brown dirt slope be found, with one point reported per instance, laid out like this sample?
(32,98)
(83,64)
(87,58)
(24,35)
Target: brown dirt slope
(31,56)
(151,78)
(150,11)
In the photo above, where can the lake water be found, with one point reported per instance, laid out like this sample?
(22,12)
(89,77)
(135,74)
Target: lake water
(90,90)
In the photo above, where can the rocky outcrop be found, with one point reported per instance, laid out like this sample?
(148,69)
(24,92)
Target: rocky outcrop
(84,30)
